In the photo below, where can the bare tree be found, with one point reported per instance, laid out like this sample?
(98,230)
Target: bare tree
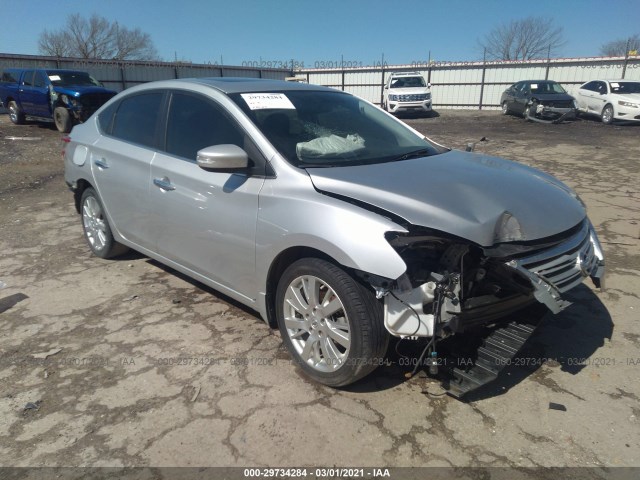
(525,39)
(97,37)
(620,48)
(57,44)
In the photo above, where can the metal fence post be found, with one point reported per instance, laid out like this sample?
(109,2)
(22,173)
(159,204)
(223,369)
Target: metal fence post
(484,70)
(546,74)
(626,59)
(122,77)
(382,82)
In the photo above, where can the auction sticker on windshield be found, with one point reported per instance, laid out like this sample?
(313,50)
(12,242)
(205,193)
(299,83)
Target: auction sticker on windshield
(263,101)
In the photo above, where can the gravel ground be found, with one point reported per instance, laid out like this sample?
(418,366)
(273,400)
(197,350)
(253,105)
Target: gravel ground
(127,363)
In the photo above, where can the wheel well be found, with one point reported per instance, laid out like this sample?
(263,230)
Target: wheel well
(82,185)
(279,265)
(607,105)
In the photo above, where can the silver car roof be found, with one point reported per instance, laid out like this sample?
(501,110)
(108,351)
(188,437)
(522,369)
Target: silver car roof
(230,85)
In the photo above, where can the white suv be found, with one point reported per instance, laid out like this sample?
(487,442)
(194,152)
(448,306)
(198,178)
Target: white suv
(406,92)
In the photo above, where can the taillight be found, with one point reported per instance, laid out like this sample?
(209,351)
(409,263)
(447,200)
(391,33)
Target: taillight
(66,139)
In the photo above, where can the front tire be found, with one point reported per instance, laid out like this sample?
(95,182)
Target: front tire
(97,230)
(505,108)
(607,114)
(62,119)
(16,115)
(331,324)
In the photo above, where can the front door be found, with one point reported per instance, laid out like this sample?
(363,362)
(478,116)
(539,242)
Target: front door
(206,221)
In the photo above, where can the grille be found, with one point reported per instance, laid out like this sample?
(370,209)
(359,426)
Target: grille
(93,101)
(415,97)
(567,264)
(559,104)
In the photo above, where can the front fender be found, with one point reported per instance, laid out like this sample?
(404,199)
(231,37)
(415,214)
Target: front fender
(352,236)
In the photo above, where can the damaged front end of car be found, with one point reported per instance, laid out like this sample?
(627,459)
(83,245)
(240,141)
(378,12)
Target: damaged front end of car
(452,286)
(550,112)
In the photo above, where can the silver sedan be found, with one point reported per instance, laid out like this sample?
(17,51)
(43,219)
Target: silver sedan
(332,219)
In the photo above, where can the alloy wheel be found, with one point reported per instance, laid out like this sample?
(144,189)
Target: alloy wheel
(316,322)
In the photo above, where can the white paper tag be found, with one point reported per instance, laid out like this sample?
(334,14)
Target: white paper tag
(261,101)
(54,78)
(534,86)
(615,84)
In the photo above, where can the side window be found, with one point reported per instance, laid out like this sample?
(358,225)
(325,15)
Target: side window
(38,80)
(9,77)
(105,118)
(602,87)
(195,122)
(136,118)
(27,79)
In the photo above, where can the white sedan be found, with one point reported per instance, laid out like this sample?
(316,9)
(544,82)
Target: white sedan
(610,99)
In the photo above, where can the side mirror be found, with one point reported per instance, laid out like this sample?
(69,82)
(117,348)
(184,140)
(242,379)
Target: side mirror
(428,85)
(386,87)
(222,158)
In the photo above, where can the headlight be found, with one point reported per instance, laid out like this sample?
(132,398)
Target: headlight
(628,104)
(508,229)
(393,97)
(70,101)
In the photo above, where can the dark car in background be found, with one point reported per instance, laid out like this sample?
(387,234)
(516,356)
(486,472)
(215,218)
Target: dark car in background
(66,97)
(538,100)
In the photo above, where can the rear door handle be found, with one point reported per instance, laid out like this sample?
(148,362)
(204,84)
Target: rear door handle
(164,183)
(101,163)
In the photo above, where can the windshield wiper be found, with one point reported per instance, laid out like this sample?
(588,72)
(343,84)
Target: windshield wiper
(423,152)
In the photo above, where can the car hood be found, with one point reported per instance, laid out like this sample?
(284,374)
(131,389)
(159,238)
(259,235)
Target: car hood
(76,91)
(408,91)
(465,194)
(628,97)
(551,97)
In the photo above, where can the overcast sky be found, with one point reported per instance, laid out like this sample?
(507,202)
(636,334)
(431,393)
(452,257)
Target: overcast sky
(322,30)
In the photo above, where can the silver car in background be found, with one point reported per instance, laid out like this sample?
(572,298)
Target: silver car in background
(334,220)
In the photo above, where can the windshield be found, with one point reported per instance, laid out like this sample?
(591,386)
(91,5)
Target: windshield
(547,87)
(625,87)
(327,129)
(65,79)
(407,82)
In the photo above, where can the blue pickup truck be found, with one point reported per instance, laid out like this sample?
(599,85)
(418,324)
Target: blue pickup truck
(67,97)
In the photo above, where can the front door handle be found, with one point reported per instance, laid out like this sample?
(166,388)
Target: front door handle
(101,163)
(164,183)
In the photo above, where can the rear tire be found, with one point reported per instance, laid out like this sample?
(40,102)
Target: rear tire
(97,230)
(62,120)
(16,115)
(331,324)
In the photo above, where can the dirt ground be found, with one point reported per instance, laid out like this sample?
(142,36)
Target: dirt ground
(126,363)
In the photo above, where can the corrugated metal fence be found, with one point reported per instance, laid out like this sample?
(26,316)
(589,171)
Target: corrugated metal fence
(119,75)
(476,84)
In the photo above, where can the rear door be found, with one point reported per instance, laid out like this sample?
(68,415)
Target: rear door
(206,221)
(521,96)
(121,163)
(27,94)
(585,93)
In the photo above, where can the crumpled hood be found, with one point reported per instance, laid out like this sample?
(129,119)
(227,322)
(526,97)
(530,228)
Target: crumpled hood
(465,194)
(552,97)
(76,91)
